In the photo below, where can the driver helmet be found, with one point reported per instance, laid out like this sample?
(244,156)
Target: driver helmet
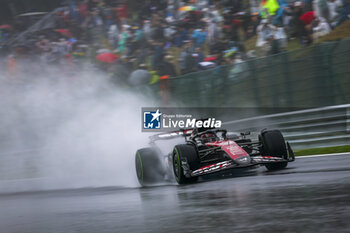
(208,137)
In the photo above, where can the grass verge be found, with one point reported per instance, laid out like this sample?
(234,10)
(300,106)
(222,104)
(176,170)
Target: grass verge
(323,150)
(340,32)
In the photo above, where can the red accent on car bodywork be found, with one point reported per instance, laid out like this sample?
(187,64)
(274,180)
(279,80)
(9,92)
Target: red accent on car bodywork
(212,167)
(230,147)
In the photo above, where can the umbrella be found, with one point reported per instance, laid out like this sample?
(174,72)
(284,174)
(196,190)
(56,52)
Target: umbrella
(103,51)
(230,52)
(107,57)
(72,40)
(32,14)
(241,13)
(64,32)
(210,59)
(207,65)
(139,77)
(187,8)
(5,26)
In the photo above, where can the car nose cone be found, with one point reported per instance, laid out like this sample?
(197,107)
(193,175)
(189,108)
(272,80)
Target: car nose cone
(244,160)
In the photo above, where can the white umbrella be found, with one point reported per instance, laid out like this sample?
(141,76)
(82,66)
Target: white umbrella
(103,51)
(207,64)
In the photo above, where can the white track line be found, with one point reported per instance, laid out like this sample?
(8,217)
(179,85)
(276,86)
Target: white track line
(323,155)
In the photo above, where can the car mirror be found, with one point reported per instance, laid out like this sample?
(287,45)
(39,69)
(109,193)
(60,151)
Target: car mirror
(232,136)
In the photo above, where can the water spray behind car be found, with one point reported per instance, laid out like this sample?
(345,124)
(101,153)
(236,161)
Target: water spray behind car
(68,130)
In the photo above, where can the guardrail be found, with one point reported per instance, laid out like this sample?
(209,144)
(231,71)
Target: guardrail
(312,128)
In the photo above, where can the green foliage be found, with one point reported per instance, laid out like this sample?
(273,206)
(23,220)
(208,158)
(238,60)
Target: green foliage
(322,150)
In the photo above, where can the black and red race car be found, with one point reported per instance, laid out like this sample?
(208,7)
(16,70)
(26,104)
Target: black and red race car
(207,151)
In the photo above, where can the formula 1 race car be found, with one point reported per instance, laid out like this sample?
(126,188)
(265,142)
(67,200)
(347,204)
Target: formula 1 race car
(208,151)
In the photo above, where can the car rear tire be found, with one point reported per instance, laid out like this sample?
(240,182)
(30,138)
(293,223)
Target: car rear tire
(149,167)
(189,154)
(273,144)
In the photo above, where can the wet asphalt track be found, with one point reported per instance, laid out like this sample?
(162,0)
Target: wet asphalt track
(312,195)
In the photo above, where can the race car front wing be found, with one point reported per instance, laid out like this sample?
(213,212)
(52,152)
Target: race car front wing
(229,164)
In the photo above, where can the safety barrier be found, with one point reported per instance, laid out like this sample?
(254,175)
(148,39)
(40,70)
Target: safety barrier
(312,128)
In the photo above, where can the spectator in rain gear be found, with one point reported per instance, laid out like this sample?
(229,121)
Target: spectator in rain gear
(167,68)
(344,13)
(158,54)
(198,57)
(190,59)
(278,18)
(199,37)
(281,37)
(307,5)
(297,24)
(321,28)
(122,12)
(269,8)
(43,44)
(83,9)
(334,6)
(181,36)
(122,41)
(213,32)
(182,60)
(321,9)
(275,47)
(264,30)
(113,35)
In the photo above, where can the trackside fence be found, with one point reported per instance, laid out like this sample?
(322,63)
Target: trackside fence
(315,76)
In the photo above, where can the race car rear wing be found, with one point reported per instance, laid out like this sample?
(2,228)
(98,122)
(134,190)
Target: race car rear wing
(171,135)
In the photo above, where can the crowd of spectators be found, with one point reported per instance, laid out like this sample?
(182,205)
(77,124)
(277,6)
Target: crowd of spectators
(173,37)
